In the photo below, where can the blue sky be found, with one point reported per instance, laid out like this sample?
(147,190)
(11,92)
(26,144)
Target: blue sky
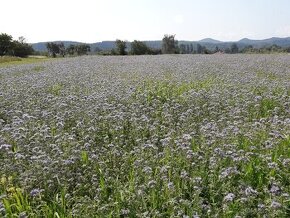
(98,20)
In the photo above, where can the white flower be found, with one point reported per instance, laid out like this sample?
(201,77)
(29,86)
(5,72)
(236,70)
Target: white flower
(275,205)
(229,197)
(5,147)
(249,191)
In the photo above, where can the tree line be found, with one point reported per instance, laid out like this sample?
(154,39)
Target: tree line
(170,45)
(55,49)
(11,47)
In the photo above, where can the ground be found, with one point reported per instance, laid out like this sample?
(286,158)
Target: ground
(146,136)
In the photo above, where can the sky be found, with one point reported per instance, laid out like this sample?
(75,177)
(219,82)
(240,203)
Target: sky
(100,20)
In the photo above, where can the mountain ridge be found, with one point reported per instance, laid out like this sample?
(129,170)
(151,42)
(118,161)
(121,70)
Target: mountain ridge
(210,40)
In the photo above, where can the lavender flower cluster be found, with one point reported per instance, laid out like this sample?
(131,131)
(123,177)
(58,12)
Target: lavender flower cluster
(148,136)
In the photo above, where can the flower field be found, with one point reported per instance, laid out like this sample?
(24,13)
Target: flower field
(148,136)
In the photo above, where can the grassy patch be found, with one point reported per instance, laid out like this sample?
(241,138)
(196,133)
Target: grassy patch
(55,89)
(38,68)
(165,90)
(268,75)
(7,61)
(264,108)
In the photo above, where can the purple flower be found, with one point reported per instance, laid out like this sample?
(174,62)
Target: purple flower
(35,192)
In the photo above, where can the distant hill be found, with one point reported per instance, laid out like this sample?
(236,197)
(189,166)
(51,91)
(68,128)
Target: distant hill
(209,40)
(209,43)
(283,42)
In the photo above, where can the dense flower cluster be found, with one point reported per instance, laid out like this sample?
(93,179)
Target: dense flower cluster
(148,136)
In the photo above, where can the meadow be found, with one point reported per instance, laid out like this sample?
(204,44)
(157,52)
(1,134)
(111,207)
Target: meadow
(146,136)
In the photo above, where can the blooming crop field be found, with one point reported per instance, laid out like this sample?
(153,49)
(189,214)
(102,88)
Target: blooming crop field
(148,136)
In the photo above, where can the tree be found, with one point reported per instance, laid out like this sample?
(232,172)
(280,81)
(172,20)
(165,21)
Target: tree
(234,48)
(205,50)
(198,49)
(228,50)
(71,49)
(83,49)
(276,48)
(248,49)
(191,49)
(97,49)
(20,48)
(216,49)
(5,43)
(169,44)
(62,50)
(139,48)
(52,48)
(121,47)
(187,49)
(182,48)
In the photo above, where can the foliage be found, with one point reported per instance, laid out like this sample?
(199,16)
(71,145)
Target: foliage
(53,49)
(71,49)
(5,43)
(265,50)
(62,50)
(169,44)
(186,48)
(199,49)
(234,48)
(21,49)
(59,49)
(121,47)
(82,49)
(139,48)
(11,47)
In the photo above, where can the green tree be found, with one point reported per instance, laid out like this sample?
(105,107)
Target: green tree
(71,49)
(234,48)
(216,49)
(83,49)
(276,48)
(5,43)
(248,49)
(97,49)
(52,48)
(20,48)
(182,48)
(187,49)
(169,44)
(121,47)
(228,50)
(191,48)
(139,48)
(62,50)
(199,49)
(205,50)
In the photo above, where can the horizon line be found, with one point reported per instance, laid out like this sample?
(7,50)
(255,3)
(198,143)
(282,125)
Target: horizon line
(221,41)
